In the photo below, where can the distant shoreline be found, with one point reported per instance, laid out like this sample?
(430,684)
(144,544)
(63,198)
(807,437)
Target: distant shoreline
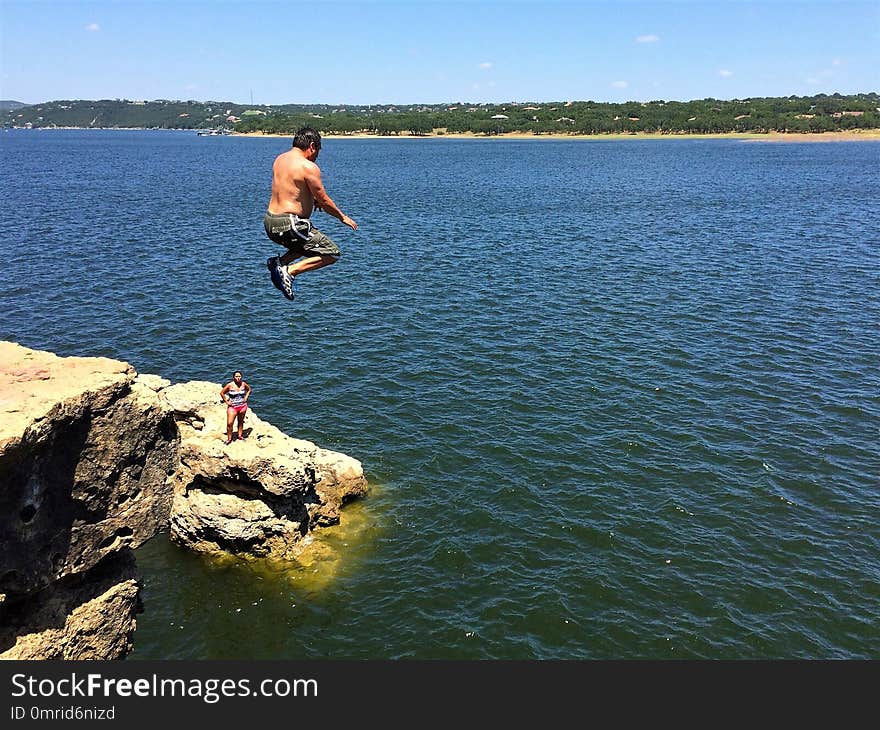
(865,135)
(857,135)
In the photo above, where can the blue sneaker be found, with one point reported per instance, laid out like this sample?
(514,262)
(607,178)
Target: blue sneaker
(272,265)
(286,282)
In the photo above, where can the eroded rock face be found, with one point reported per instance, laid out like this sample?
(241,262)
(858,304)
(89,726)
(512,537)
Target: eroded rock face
(85,458)
(89,615)
(96,459)
(260,496)
(86,455)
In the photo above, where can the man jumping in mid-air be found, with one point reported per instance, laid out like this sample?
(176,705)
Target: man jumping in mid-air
(296,191)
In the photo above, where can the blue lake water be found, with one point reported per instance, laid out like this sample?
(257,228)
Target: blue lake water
(616,399)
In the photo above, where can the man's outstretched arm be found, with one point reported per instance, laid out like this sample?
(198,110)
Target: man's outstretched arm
(324,201)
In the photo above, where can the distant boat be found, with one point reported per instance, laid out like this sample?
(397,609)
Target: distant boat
(212,132)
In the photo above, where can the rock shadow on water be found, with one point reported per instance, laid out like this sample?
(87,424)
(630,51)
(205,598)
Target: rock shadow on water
(220,605)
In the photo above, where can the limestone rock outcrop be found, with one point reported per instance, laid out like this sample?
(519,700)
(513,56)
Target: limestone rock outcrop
(260,496)
(86,455)
(96,459)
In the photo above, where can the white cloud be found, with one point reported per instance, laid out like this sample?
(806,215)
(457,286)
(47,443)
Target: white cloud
(93,27)
(486,65)
(647,38)
(620,84)
(724,73)
(836,62)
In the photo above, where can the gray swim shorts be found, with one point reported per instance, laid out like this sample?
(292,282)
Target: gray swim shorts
(299,235)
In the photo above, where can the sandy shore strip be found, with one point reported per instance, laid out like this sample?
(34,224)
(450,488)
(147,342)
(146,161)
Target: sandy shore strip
(862,135)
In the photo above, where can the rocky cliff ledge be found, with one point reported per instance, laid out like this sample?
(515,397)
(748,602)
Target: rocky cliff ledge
(96,459)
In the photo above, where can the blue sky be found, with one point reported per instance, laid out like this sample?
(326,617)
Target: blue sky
(431,52)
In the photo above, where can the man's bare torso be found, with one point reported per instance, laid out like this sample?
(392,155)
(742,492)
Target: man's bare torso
(290,189)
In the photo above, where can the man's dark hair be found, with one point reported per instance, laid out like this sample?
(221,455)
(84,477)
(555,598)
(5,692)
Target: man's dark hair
(305,137)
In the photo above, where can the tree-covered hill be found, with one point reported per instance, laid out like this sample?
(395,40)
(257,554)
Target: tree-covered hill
(818,113)
(160,114)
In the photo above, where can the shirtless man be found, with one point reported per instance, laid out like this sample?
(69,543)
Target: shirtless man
(296,191)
